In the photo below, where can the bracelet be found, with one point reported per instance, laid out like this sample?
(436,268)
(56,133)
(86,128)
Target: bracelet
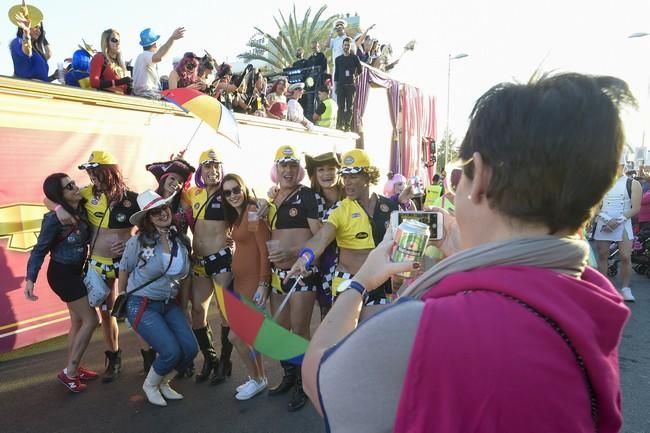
(310,255)
(57,207)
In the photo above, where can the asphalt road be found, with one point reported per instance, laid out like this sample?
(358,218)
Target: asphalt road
(32,401)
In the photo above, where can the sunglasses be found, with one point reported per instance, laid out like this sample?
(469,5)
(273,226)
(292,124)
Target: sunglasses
(115,41)
(157,211)
(70,186)
(228,192)
(190,66)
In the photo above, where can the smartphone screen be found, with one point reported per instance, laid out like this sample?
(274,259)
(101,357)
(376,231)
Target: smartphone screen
(428,218)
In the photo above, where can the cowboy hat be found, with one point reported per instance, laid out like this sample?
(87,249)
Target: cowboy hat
(147,201)
(177,166)
(328,158)
(34,14)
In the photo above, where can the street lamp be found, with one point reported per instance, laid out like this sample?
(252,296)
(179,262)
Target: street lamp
(647,101)
(447,145)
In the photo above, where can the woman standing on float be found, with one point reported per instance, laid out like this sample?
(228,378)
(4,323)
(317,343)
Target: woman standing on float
(294,218)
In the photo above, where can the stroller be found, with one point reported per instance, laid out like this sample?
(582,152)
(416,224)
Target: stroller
(640,255)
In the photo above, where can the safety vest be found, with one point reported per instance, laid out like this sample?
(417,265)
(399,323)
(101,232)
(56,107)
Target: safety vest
(432,196)
(328,118)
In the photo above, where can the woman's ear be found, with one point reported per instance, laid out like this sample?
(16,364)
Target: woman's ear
(481,181)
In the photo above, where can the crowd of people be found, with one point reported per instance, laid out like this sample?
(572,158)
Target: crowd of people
(244,92)
(484,340)
(513,303)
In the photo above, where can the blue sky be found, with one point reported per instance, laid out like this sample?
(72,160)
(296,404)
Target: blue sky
(505,39)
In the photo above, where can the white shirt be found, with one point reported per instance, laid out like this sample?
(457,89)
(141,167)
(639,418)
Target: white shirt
(295,113)
(146,81)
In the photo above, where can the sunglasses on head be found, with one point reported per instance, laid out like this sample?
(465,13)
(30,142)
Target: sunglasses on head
(228,192)
(70,186)
(157,211)
(115,41)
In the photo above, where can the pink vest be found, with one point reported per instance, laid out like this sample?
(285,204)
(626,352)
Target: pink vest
(482,362)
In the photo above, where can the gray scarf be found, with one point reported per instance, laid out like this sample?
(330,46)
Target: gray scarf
(566,255)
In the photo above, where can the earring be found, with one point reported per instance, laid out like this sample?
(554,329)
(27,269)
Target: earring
(469,197)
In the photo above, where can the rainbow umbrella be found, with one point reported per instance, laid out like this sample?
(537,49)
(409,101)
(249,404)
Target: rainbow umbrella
(258,330)
(206,108)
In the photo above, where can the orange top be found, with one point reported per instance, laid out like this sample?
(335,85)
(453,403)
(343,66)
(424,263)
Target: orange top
(250,264)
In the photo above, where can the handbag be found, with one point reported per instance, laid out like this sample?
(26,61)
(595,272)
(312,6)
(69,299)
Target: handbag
(119,306)
(96,287)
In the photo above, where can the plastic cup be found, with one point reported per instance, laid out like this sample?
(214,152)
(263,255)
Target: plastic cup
(272,245)
(253,221)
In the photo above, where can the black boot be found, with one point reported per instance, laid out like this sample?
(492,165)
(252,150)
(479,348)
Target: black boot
(210,359)
(148,357)
(188,372)
(113,365)
(225,366)
(288,380)
(298,398)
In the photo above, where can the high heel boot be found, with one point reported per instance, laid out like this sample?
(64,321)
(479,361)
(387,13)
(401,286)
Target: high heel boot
(113,365)
(148,357)
(210,359)
(288,379)
(298,398)
(225,366)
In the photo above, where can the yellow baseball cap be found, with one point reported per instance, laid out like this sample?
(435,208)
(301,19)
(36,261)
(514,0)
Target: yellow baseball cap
(354,161)
(97,158)
(287,153)
(210,155)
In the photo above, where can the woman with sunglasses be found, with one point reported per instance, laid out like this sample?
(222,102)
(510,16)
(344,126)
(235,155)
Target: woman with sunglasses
(185,74)
(250,268)
(173,180)
(68,247)
(107,68)
(30,50)
(155,262)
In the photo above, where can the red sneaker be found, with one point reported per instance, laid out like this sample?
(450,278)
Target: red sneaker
(72,383)
(85,374)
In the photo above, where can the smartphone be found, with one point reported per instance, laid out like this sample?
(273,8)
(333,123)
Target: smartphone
(432,219)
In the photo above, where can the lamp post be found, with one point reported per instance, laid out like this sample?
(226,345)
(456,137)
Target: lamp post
(447,145)
(647,101)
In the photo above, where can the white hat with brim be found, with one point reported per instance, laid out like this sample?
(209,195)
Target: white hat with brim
(341,21)
(147,201)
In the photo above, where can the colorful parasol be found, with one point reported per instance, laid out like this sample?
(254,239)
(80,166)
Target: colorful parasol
(258,330)
(206,108)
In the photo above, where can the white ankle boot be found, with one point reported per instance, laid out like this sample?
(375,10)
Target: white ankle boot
(151,388)
(167,390)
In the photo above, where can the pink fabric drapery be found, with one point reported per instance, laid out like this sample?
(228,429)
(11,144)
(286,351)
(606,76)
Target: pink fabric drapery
(371,76)
(418,121)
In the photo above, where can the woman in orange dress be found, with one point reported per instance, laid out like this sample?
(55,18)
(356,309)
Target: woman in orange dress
(250,268)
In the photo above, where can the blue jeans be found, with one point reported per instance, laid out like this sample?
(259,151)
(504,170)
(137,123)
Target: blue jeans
(165,328)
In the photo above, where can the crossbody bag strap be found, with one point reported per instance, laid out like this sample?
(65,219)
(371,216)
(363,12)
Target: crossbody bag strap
(142,286)
(205,203)
(581,363)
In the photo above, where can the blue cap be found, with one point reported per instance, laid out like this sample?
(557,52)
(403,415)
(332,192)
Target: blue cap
(148,37)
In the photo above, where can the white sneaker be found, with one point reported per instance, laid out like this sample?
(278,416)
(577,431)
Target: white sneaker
(627,294)
(251,389)
(245,384)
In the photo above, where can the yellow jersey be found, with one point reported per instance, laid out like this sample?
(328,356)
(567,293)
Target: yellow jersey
(355,229)
(117,217)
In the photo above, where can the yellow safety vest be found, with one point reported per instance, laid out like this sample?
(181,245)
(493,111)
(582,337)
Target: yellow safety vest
(432,196)
(328,118)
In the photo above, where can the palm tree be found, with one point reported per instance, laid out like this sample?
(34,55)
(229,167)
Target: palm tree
(279,51)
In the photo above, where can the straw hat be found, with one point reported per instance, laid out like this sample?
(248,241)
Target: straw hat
(33,13)
(147,201)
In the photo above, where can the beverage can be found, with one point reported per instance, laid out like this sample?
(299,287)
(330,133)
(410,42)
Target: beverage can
(411,238)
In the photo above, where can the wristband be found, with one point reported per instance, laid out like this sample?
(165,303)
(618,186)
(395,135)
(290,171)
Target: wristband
(310,255)
(57,207)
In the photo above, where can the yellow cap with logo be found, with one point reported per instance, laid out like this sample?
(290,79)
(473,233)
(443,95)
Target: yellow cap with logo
(286,154)
(354,161)
(97,158)
(208,156)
